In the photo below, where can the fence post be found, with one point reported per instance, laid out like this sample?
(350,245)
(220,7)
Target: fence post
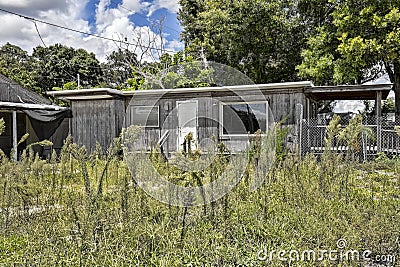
(299,122)
(378,134)
(378,113)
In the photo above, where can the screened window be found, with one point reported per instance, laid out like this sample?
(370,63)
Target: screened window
(147,116)
(244,118)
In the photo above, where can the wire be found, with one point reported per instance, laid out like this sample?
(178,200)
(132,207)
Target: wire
(37,30)
(86,33)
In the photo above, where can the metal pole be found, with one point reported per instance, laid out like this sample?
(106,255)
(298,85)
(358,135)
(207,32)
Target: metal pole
(79,82)
(15,134)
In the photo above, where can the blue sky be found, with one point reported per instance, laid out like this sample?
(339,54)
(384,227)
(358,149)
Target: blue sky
(116,19)
(141,18)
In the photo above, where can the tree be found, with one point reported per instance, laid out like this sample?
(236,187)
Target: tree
(361,44)
(261,38)
(16,64)
(59,64)
(118,68)
(189,17)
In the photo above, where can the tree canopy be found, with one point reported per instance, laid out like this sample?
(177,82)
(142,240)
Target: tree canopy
(261,38)
(360,44)
(19,66)
(117,70)
(59,64)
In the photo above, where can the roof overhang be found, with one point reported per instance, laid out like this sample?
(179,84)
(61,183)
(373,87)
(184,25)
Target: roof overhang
(342,92)
(12,105)
(86,94)
(106,93)
(348,92)
(270,87)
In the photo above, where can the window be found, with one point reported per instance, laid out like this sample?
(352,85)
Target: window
(147,116)
(244,118)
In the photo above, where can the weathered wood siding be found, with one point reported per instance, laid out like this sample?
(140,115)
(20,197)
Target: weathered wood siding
(96,121)
(282,106)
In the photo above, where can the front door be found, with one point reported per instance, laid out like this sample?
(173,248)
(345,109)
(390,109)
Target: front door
(187,122)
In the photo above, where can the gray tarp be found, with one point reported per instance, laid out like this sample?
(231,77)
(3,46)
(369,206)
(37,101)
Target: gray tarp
(46,122)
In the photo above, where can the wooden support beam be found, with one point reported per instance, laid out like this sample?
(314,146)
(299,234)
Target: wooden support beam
(378,113)
(15,134)
(308,109)
(378,103)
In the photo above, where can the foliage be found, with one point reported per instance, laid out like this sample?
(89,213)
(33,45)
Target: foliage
(49,67)
(333,130)
(318,58)
(358,45)
(397,129)
(173,71)
(352,133)
(67,86)
(388,106)
(281,133)
(2,126)
(118,68)
(17,65)
(59,64)
(87,210)
(261,38)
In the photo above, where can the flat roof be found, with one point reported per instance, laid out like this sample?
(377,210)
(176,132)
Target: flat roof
(263,87)
(105,93)
(348,92)
(342,92)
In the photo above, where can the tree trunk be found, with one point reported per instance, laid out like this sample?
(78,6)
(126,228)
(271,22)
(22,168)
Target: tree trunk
(396,86)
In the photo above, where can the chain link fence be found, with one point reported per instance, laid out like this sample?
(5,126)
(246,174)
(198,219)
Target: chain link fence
(378,135)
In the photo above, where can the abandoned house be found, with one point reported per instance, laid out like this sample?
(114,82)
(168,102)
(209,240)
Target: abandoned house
(227,114)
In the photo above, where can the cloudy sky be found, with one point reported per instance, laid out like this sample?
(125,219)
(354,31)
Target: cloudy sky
(116,19)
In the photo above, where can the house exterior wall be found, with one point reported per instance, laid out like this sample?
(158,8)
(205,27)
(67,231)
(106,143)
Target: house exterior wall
(282,106)
(98,113)
(96,121)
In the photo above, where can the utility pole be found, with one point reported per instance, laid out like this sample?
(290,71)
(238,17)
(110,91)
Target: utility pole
(79,82)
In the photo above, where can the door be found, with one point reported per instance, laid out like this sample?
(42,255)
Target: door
(187,122)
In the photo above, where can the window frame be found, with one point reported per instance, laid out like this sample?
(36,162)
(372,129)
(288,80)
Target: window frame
(221,117)
(144,106)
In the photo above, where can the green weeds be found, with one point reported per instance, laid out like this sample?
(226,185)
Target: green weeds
(87,210)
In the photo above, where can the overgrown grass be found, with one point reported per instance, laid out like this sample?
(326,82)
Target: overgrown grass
(88,211)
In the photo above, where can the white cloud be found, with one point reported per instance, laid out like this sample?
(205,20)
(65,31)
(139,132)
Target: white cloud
(343,106)
(171,5)
(28,7)
(135,5)
(109,22)
(174,45)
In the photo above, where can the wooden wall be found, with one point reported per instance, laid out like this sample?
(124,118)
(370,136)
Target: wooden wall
(97,121)
(282,106)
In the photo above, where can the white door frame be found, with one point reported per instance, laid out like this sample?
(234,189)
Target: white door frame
(197,122)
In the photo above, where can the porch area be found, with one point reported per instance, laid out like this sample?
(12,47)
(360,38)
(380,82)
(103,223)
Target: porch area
(378,133)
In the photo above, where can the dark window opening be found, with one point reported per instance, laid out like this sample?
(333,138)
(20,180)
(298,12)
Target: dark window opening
(246,118)
(147,116)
